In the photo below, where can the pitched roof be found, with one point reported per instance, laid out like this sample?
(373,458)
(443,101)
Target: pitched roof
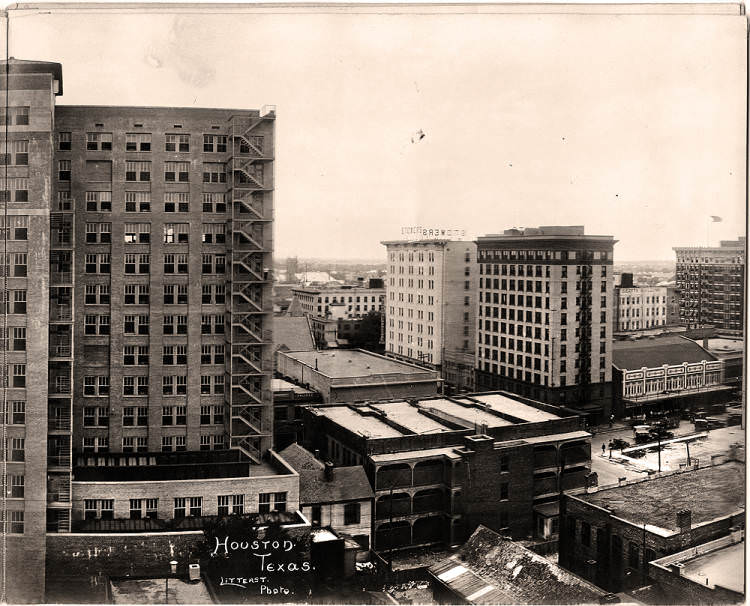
(653,353)
(490,569)
(300,458)
(348,484)
(293,332)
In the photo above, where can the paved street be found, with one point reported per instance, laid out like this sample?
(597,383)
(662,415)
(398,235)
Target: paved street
(609,470)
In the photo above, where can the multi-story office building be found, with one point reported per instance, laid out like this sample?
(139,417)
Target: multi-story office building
(711,285)
(352,302)
(137,318)
(430,309)
(544,327)
(639,307)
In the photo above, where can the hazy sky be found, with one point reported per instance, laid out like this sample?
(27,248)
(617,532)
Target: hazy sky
(631,125)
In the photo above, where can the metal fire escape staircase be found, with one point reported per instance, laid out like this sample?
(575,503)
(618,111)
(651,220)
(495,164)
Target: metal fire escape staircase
(249,367)
(60,392)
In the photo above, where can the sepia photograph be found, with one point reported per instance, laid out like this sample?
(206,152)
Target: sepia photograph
(390,304)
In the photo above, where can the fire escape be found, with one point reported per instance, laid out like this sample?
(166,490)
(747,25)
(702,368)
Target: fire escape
(250,366)
(584,353)
(60,392)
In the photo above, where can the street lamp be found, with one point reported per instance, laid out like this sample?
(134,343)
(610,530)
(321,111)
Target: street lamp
(173,569)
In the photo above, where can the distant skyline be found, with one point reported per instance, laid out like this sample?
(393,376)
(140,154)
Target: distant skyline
(605,121)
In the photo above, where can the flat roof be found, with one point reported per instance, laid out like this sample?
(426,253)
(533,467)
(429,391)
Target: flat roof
(708,492)
(557,437)
(354,363)
(282,385)
(504,404)
(423,453)
(723,567)
(470,415)
(151,591)
(366,425)
(410,417)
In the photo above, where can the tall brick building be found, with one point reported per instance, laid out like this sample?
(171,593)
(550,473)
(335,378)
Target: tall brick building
(711,285)
(545,316)
(137,242)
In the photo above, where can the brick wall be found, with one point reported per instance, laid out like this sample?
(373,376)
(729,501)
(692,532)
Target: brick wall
(612,569)
(122,492)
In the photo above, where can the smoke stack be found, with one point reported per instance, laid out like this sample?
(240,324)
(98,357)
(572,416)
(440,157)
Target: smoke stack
(317,453)
(329,471)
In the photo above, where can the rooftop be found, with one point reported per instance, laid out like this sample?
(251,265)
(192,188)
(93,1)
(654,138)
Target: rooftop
(410,417)
(163,466)
(506,405)
(355,363)
(491,569)
(708,492)
(388,419)
(300,458)
(544,232)
(347,484)
(366,425)
(653,353)
(723,567)
(282,385)
(422,453)
(724,347)
(293,333)
(152,591)
(463,411)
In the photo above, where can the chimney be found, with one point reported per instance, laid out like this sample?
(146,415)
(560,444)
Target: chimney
(328,471)
(317,453)
(684,520)
(705,342)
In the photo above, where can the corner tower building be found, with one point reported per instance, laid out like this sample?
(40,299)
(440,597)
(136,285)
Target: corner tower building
(544,317)
(137,319)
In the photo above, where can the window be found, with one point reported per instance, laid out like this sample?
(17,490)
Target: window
(213,263)
(176,172)
(187,506)
(99,509)
(95,416)
(98,233)
(264,502)
(504,491)
(585,533)
(19,375)
(20,153)
(174,385)
(138,171)
(231,503)
(214,144)
(137,233)
(64,141)
(214,233)
(279,501)
(176,233)
(137,202)
(351,513)
(18,449)
(18,412)
(177,143)
(214,203)
(19,115)
(214,172)
(176,202)
(633,555)
(20,188)
(96,386)
(138,142)
(19,301)
(98,141)
(17,486)
(63,170)
(98,201)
